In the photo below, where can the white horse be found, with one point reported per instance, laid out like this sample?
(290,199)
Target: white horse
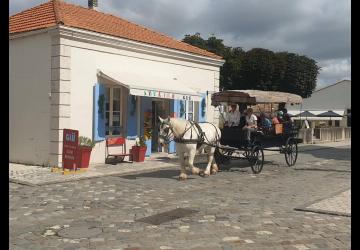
(190,137)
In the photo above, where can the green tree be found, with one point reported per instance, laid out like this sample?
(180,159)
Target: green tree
(195,40)
(257,70)
(261,68)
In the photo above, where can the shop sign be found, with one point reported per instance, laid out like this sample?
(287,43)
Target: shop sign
(70,146)
(162,94)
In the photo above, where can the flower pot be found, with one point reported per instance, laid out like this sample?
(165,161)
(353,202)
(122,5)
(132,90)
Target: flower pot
(83,156)
(138,153)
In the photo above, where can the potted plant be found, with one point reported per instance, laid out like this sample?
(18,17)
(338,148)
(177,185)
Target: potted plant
(138,151)
(84,151)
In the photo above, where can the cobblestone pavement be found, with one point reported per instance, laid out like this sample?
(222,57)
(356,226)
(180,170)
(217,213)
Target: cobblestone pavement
(234,209)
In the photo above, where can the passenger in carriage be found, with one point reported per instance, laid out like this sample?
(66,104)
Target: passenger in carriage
(242,109)
(288,123)
(266,124)
(280,116)
(251,125)
(287,117)
(274,119)
(232,117)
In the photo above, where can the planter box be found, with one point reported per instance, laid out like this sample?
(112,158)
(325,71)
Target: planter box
(83,156)
(138,153)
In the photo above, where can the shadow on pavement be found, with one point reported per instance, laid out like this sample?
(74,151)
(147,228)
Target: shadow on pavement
(164,173)
(338,153)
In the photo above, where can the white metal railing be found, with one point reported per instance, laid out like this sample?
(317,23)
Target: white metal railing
(325,134)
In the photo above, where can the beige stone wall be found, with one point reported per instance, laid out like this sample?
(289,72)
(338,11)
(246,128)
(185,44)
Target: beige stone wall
(30,99)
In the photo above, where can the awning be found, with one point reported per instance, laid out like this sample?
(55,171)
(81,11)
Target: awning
(316,117)
(306,114)
(152,86)
(254,97)
(329,113)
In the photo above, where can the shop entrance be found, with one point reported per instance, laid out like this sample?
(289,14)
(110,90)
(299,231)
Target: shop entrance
(160,107)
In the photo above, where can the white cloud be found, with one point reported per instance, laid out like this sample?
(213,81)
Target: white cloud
(334,70)
(319,29)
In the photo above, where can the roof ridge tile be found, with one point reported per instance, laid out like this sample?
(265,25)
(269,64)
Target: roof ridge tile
(56,12)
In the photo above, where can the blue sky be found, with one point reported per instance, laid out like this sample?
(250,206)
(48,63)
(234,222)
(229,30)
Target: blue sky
(319,29)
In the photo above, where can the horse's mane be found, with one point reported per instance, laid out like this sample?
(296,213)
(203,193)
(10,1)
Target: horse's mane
(179,125)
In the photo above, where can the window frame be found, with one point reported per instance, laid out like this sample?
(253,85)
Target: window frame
(187,110)
(109,129)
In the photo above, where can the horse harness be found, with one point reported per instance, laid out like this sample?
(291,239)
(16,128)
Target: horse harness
(200,135)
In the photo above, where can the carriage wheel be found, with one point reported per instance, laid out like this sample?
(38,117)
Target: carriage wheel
(222,157)
(291,152)
(256,159)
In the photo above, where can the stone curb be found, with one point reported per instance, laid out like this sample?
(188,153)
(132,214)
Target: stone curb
(326,170)
(88,177)
(320,211)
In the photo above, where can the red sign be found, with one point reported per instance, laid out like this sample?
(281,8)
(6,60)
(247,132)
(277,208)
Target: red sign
(70,146)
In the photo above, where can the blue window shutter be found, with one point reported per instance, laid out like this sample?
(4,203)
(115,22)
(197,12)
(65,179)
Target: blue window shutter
(131,117)
(202,109)
(99,113)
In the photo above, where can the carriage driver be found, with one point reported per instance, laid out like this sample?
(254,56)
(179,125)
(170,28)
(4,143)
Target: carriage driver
(251,125)
(232,117)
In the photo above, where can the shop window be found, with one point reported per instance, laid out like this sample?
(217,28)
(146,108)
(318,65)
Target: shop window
(113,118)
(337,123)
(189,113)
(349,117)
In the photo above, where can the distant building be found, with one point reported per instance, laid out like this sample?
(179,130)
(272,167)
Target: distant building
(335,98)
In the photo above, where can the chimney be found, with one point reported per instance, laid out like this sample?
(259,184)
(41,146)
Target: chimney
(93,4)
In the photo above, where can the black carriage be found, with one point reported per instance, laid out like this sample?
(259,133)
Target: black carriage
(232,144)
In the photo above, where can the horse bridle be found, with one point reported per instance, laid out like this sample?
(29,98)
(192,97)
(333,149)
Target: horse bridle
(168,134)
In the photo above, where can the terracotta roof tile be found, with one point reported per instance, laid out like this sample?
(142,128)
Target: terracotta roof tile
(58,12)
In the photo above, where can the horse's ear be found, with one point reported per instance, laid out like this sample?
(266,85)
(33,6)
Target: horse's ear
(161,119)
(168,119)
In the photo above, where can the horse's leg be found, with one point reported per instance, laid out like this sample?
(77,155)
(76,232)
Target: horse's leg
(182,175)
(192,153)
(210,159)
(186,160)
(214,167)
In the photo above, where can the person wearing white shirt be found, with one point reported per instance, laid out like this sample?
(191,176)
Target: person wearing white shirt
(232,117)
(251,124)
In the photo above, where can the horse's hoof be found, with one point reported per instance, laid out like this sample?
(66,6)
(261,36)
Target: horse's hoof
(214,169)
(195,171)
(182,177)
(204,174)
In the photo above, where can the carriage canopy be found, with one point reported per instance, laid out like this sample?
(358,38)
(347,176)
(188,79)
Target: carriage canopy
(253,97)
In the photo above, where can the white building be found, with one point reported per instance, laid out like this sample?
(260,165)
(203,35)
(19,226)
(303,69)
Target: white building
(74,67)
(335,98)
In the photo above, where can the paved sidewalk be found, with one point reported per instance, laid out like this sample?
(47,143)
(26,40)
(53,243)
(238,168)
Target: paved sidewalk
(37,175)
(338,204)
